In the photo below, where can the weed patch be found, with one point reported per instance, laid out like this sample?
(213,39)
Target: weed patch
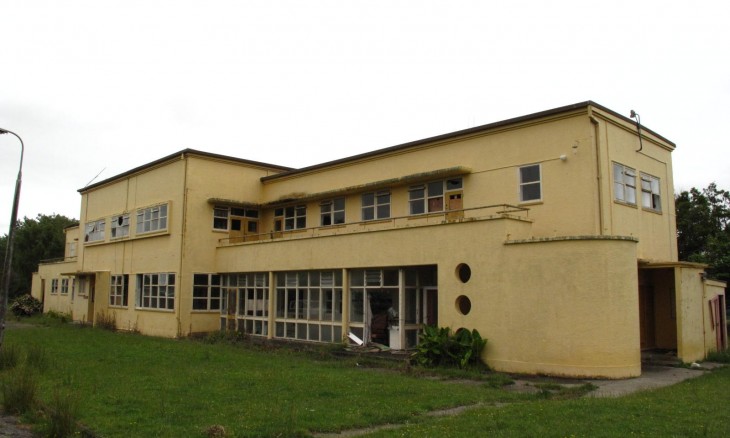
(9,356)
(19,389)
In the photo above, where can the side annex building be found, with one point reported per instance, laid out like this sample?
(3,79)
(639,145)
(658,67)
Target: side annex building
(553,234)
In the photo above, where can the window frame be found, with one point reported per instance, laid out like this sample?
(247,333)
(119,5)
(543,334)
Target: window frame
(151,223)
(654,198)
(374,207)
(153,282)
(94,231)
(64,286)
(433,197)
(526,184)
(119,290)
(54,286)
(295,217)
(124,226)
(209,284)
(332,212)
(622,188)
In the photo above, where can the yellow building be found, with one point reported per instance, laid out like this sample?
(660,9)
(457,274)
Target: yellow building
(553,234)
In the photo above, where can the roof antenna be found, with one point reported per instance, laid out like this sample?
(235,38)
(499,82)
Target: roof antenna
(634,115)
(92,179)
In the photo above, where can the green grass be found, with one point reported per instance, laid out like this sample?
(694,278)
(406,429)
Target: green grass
(132,385)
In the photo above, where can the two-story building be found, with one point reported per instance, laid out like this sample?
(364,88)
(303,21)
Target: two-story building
(553,234)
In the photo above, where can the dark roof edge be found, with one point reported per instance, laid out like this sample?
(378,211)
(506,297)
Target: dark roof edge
(525,118)
(175,155)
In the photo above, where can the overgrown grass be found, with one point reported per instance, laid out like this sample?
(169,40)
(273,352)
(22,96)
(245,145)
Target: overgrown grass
(132,385)
(719,356)
(19,390)
(9,356)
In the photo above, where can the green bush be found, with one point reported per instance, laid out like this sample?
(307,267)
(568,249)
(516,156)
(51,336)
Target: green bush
(19,391)
(441,347)
(25,305)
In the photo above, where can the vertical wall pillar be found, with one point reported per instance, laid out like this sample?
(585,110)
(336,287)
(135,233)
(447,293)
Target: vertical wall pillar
(345,304)
(402,307)
(271,309)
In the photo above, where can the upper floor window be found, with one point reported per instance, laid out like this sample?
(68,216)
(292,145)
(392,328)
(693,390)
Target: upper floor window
(624,184)
(94,231)
(156,291)
(530,183)
(332,212)
(290,218)
(376,205)
(650,193)
(233,218)
(120,226)
(152,219)
(429,198)
(119,290)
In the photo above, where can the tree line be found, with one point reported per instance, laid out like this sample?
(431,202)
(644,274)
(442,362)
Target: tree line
(703,236)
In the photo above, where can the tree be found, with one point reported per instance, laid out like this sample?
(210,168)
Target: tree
(36,240)
(703,229)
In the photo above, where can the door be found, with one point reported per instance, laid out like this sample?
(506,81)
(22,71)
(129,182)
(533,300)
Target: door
(717,315)
(646,317)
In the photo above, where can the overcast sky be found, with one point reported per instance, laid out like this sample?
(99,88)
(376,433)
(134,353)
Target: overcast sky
(105,86)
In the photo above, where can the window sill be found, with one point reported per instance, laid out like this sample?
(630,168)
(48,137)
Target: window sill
(625,204)
(149,309)
(213,311)
(531,202)
(651,210)
(329,227)
(376,221)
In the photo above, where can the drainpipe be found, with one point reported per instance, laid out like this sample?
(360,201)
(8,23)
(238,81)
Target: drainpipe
(599,174)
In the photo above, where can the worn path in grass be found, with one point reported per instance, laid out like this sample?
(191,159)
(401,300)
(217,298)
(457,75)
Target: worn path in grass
(652,377)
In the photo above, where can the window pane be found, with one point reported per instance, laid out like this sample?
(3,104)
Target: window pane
(530,174)
(368,199)
(531,192)
(453,184)
(435,188)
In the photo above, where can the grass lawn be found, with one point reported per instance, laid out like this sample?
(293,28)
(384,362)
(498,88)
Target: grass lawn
(132,385)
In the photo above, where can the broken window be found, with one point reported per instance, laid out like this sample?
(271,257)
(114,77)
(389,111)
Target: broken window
(251,291)
(624,184)
(650,193)
(429,198)
(332,212)
(94,231)
(120,226)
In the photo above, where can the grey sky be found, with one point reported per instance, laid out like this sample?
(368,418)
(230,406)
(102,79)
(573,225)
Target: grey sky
(92,85)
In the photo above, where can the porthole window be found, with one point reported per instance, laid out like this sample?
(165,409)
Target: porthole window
(463,304)
(463,272)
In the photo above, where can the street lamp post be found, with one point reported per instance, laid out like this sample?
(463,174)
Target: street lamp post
(7,266)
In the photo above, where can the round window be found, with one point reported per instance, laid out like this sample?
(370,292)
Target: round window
(463,304)
(463,271)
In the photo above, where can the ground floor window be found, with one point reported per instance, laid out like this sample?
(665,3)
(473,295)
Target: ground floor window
(246,298)
(64,286)
(119,290)
(54,286)
(156,291)
(309,305)
(206,292)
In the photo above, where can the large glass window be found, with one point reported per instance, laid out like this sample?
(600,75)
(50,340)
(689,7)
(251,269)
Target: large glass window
(95,231)
(119,290)
(206,292)
(624,184)
(376,205)
(332,212)
(309,305)
(152,219)
(156,291)
(530,183)
(295,217)
(650,193)
(429,198)
(247,298)
(231,218)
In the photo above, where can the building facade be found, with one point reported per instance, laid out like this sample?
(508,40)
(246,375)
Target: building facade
(553,234)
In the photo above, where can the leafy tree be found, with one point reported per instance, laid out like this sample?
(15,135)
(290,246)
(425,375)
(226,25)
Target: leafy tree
(36,239)
(703,229)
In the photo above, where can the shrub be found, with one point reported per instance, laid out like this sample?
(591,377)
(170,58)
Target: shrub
(9,356)
(25,305)
(19,391)
(719,356)
(62,415)
(442,347)
(106,321)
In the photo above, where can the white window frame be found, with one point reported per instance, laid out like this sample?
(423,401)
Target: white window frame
(119,230)
(119,290)
(624,184)
(207,292)
(332,212)
(95,231)
(54,286)
(295,217)
(156,291)
(525,185)
(64,286)
(152,219)
(220,216)
(432,198)
(378,207)
(651,198)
